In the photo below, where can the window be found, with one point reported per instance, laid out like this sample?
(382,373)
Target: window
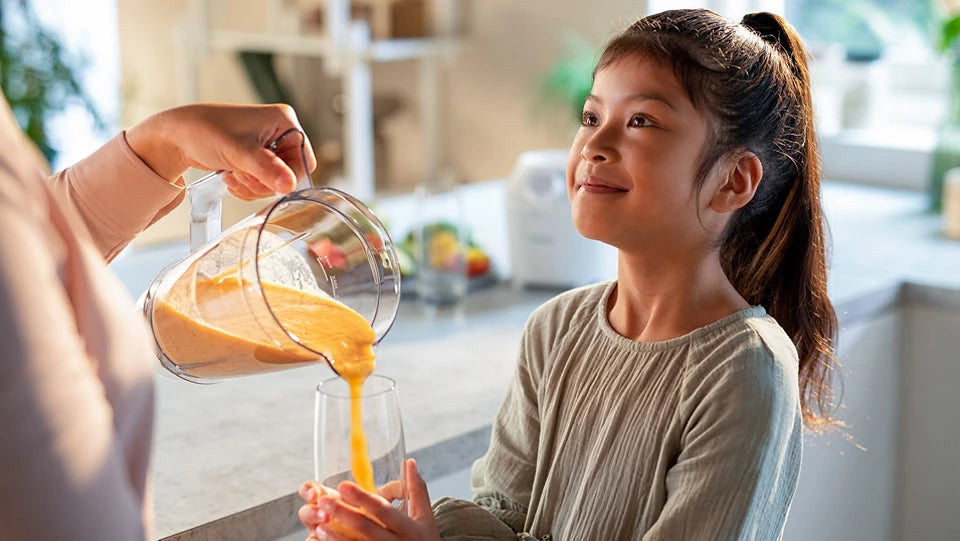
(879,87)
(864,29)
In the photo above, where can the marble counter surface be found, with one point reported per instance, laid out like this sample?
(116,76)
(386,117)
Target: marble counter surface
(232,454)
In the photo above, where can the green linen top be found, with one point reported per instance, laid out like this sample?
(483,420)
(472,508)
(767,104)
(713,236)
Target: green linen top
(603,437)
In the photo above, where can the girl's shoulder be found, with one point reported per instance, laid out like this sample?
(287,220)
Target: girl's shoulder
(750,349)
(572,307)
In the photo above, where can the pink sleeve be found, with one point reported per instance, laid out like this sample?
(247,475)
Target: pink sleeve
(116,194)
(65,474)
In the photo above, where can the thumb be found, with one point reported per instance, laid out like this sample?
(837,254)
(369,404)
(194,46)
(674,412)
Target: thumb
(419,498)
(269,169)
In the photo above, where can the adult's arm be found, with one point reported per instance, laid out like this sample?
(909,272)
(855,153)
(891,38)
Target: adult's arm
(136,178)
(63,469)
(116,194)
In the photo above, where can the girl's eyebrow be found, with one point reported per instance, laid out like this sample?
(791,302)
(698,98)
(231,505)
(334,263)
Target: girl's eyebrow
(636,96)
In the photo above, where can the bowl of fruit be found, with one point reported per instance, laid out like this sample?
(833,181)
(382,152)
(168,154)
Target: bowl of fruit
(445,250)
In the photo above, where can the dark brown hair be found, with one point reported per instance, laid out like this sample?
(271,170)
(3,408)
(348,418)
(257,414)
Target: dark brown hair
(751,81)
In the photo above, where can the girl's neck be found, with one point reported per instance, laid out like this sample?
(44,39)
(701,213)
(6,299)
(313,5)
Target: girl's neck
(663,296)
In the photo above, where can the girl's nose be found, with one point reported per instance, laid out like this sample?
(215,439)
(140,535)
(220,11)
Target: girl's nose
(592,156)
(598,149)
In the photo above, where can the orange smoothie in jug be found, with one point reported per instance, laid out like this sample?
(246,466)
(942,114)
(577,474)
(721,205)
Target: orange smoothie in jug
(229,340)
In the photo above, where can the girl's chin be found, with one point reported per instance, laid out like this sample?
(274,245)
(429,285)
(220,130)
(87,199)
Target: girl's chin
(593,230)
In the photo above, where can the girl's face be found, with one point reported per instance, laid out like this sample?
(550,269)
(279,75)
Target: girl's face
(632,166)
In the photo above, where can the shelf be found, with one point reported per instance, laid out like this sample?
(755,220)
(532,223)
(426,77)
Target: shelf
(232,40)
(383,50)
(349,52)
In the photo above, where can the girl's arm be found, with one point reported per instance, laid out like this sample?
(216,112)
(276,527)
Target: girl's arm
(737,470)
(502,480)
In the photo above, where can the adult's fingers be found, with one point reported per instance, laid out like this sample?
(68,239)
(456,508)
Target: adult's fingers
(289,150)
(268,168)
(253,184)
(238,189)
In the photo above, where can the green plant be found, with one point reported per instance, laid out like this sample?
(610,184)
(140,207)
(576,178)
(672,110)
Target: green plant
(570,78)
(949,32)
(37,74)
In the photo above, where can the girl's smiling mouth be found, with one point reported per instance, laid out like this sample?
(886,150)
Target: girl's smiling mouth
(594,184)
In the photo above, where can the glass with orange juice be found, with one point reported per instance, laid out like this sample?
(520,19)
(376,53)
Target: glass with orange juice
(358,436)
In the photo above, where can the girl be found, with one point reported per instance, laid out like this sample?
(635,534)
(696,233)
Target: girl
(668,404)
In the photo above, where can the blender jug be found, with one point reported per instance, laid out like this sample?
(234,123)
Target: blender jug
(249,300)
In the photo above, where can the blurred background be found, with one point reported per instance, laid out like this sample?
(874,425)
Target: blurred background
(396,95)
(445,87)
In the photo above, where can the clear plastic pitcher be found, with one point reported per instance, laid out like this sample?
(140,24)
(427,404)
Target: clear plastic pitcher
(247,300)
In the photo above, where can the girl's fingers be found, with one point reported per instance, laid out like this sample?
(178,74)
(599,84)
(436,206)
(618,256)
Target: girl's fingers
(351,518)
(311,516)
(392,491)
(325,533)
(311,490)
(377,507)
(419,497)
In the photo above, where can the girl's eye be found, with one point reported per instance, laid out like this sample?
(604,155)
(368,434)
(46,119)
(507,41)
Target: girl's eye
(639,121)
(589,119)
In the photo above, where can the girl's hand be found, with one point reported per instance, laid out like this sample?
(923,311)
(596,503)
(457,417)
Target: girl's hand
(309,514)
(234,138)
(379,521)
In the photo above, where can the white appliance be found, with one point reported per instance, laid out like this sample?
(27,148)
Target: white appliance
(545,249)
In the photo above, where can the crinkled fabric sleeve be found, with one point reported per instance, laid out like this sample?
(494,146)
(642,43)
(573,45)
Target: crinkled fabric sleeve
(502,480)
(116,194)
(740,459)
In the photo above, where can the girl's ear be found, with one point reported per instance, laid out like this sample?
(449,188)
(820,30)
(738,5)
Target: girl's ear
(738,183)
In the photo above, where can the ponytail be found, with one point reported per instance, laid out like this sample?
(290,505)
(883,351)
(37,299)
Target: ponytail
(753,83)
(788,273)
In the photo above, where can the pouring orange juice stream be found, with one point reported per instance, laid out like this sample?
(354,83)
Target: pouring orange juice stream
(224,342)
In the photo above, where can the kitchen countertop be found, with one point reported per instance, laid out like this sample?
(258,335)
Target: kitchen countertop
(229,456)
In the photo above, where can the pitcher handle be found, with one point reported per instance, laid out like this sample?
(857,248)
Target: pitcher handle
(206,197)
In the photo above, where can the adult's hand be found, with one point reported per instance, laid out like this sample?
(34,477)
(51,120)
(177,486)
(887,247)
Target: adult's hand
(234,138)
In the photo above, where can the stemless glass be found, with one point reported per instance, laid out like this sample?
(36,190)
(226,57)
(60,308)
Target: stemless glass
(381,423)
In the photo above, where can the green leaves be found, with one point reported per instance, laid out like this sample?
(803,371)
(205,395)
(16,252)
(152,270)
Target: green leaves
(38,75)
(949,32)
(570,78)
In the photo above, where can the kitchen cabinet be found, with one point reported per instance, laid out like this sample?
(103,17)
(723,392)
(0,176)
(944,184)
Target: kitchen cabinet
(847,480)
(929,474)
(894,474)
